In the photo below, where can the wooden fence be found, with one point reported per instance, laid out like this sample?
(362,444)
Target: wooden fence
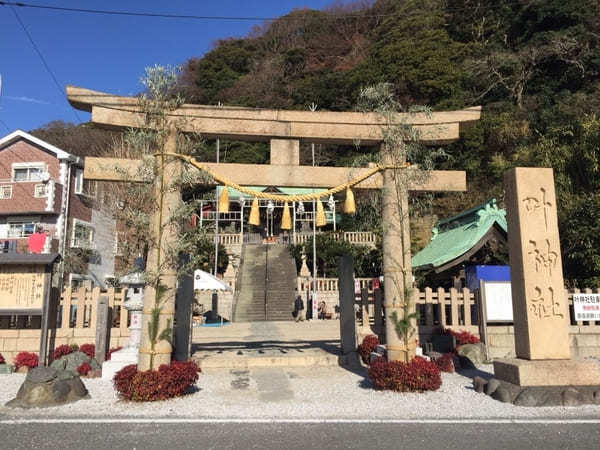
(451,308)
(77,309)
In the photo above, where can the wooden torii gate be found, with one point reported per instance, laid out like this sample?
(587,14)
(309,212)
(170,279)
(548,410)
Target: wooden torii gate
(284,130)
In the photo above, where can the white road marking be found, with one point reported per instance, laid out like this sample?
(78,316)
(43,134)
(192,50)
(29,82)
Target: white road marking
(184,420)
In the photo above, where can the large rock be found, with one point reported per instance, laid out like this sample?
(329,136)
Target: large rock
(6,369)
(75,359)
(471,355)
(72,361)
(479,384)
(46,386)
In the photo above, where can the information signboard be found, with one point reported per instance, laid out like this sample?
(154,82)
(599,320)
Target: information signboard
(586,307)
(25,289)
(22,288)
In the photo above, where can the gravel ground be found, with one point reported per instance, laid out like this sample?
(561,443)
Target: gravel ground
(295,393)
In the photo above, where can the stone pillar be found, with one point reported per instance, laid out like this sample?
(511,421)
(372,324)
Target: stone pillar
(285,152)
(103,325)
(396,257)
(346,299)
(540,310)
(167,201)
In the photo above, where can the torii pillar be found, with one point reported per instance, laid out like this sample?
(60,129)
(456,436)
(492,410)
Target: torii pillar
(165,233)
(397,271)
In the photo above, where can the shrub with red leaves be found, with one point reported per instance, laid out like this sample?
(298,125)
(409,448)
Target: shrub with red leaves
(60,351)
(462,337)
(2,361)
(84,369)
(167,382)
(111,351)
(418,375)
(445,363)
(26,359)
(88,349)
(122,381)
(369,344)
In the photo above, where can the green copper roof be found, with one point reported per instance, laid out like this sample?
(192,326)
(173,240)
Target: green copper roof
(234,194)
(455,236)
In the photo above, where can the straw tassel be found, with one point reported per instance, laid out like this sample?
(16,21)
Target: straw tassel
(286,218)
(224,200)
(254,218)
(321,221)
(349,205)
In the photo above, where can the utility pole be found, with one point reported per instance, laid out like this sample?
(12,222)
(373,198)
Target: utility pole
(313,108)
(217,209)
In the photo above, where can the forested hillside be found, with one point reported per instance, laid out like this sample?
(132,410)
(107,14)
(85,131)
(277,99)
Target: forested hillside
(532,64)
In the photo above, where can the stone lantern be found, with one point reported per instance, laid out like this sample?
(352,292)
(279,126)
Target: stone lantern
(134,303)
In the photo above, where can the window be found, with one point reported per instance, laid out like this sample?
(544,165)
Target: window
(23,172)
(79,181)
(40,191)
(83,235)
(83,186)
(21,229)
(89,188)
(5,192)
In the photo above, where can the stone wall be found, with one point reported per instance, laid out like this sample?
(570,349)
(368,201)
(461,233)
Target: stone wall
(584,341)
(26,340)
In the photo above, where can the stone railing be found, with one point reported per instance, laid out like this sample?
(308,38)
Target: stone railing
(227,239)
(353,237)
(359,237)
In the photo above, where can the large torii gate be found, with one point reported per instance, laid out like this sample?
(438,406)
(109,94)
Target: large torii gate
(284,130)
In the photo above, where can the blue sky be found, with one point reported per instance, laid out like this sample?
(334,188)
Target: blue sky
(107,53)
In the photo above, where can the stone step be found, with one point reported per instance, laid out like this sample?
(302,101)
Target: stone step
(269,358)
(276,276)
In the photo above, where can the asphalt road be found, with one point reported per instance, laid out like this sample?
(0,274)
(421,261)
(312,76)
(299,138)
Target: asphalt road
(245,435)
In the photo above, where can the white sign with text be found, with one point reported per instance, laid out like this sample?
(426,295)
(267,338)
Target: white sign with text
(498,301)
(586,307)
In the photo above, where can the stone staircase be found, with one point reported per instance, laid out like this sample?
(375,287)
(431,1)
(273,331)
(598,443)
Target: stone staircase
(268,270)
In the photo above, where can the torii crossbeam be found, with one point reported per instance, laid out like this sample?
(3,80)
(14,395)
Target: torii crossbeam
(284,130)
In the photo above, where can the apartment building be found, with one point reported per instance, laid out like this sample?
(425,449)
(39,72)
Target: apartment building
(46,205)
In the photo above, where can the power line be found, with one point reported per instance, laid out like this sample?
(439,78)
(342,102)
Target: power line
(331,16)
(37,50)
(4,124)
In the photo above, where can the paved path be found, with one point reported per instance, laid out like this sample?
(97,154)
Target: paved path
(261,344)
(350,435)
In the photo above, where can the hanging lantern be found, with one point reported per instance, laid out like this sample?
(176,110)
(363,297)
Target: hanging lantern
(224,200)
(286,218)
(349,205)
(254,218)
(331,202)
(321,221)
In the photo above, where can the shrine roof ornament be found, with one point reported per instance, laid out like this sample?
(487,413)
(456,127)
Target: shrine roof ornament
(261,124)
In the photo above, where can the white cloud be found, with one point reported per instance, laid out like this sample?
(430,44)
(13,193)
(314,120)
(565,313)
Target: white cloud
(22,98)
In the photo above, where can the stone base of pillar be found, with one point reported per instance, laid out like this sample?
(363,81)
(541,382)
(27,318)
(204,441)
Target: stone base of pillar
(118,360)
(401,352)
(548,372)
